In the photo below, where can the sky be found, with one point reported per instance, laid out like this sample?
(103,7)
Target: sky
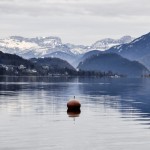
(75,21)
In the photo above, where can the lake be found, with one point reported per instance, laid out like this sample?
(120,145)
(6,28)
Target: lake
(115,113)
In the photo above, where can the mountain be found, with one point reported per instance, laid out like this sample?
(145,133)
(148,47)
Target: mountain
(62,55)
(138,49)
(145,60)
(114,63)
(77,49)
(32,47)
(39,46)
(11,64)
(53,64)
(12,59)
(108,43)
(47,46)
(85,56)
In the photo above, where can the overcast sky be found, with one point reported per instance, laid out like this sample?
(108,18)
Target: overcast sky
(75,21)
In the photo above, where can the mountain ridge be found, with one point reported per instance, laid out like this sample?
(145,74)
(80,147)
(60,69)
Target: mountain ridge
(137,50)
(44,46)
(114,63)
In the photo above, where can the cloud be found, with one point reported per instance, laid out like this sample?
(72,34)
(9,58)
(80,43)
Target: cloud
(113,8)
(76,21)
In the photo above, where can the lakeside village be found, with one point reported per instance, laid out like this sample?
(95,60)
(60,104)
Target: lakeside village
(21,70)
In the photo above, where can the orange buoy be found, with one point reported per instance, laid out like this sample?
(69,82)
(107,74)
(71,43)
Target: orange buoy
(73,105)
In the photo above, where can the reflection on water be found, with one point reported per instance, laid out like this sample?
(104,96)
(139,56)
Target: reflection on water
(74,113)
(115,113)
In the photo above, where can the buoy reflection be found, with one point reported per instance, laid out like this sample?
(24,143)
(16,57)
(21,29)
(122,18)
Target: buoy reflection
(74,113)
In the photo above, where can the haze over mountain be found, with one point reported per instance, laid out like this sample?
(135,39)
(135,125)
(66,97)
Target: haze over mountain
(85,56)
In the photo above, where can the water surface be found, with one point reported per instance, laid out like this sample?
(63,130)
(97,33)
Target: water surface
(115,114)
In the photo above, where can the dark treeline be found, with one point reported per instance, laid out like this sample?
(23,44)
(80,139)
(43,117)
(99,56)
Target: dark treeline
(16,71)
(14,65)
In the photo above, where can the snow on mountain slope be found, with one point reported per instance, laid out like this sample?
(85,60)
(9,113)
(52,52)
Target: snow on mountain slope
(35,47)
(138,49)
(10,43)
(44,46)
(108,43)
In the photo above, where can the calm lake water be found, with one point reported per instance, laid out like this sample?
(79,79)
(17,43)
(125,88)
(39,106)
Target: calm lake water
(115,114)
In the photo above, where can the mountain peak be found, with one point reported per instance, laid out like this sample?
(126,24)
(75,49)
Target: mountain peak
(107,43)
(138,49)
(126,39)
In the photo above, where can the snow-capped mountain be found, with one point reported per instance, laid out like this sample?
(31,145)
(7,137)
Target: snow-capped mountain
(138,49)
(134,50)
(78,49)
(31,47)
(108,43)
(53,47)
